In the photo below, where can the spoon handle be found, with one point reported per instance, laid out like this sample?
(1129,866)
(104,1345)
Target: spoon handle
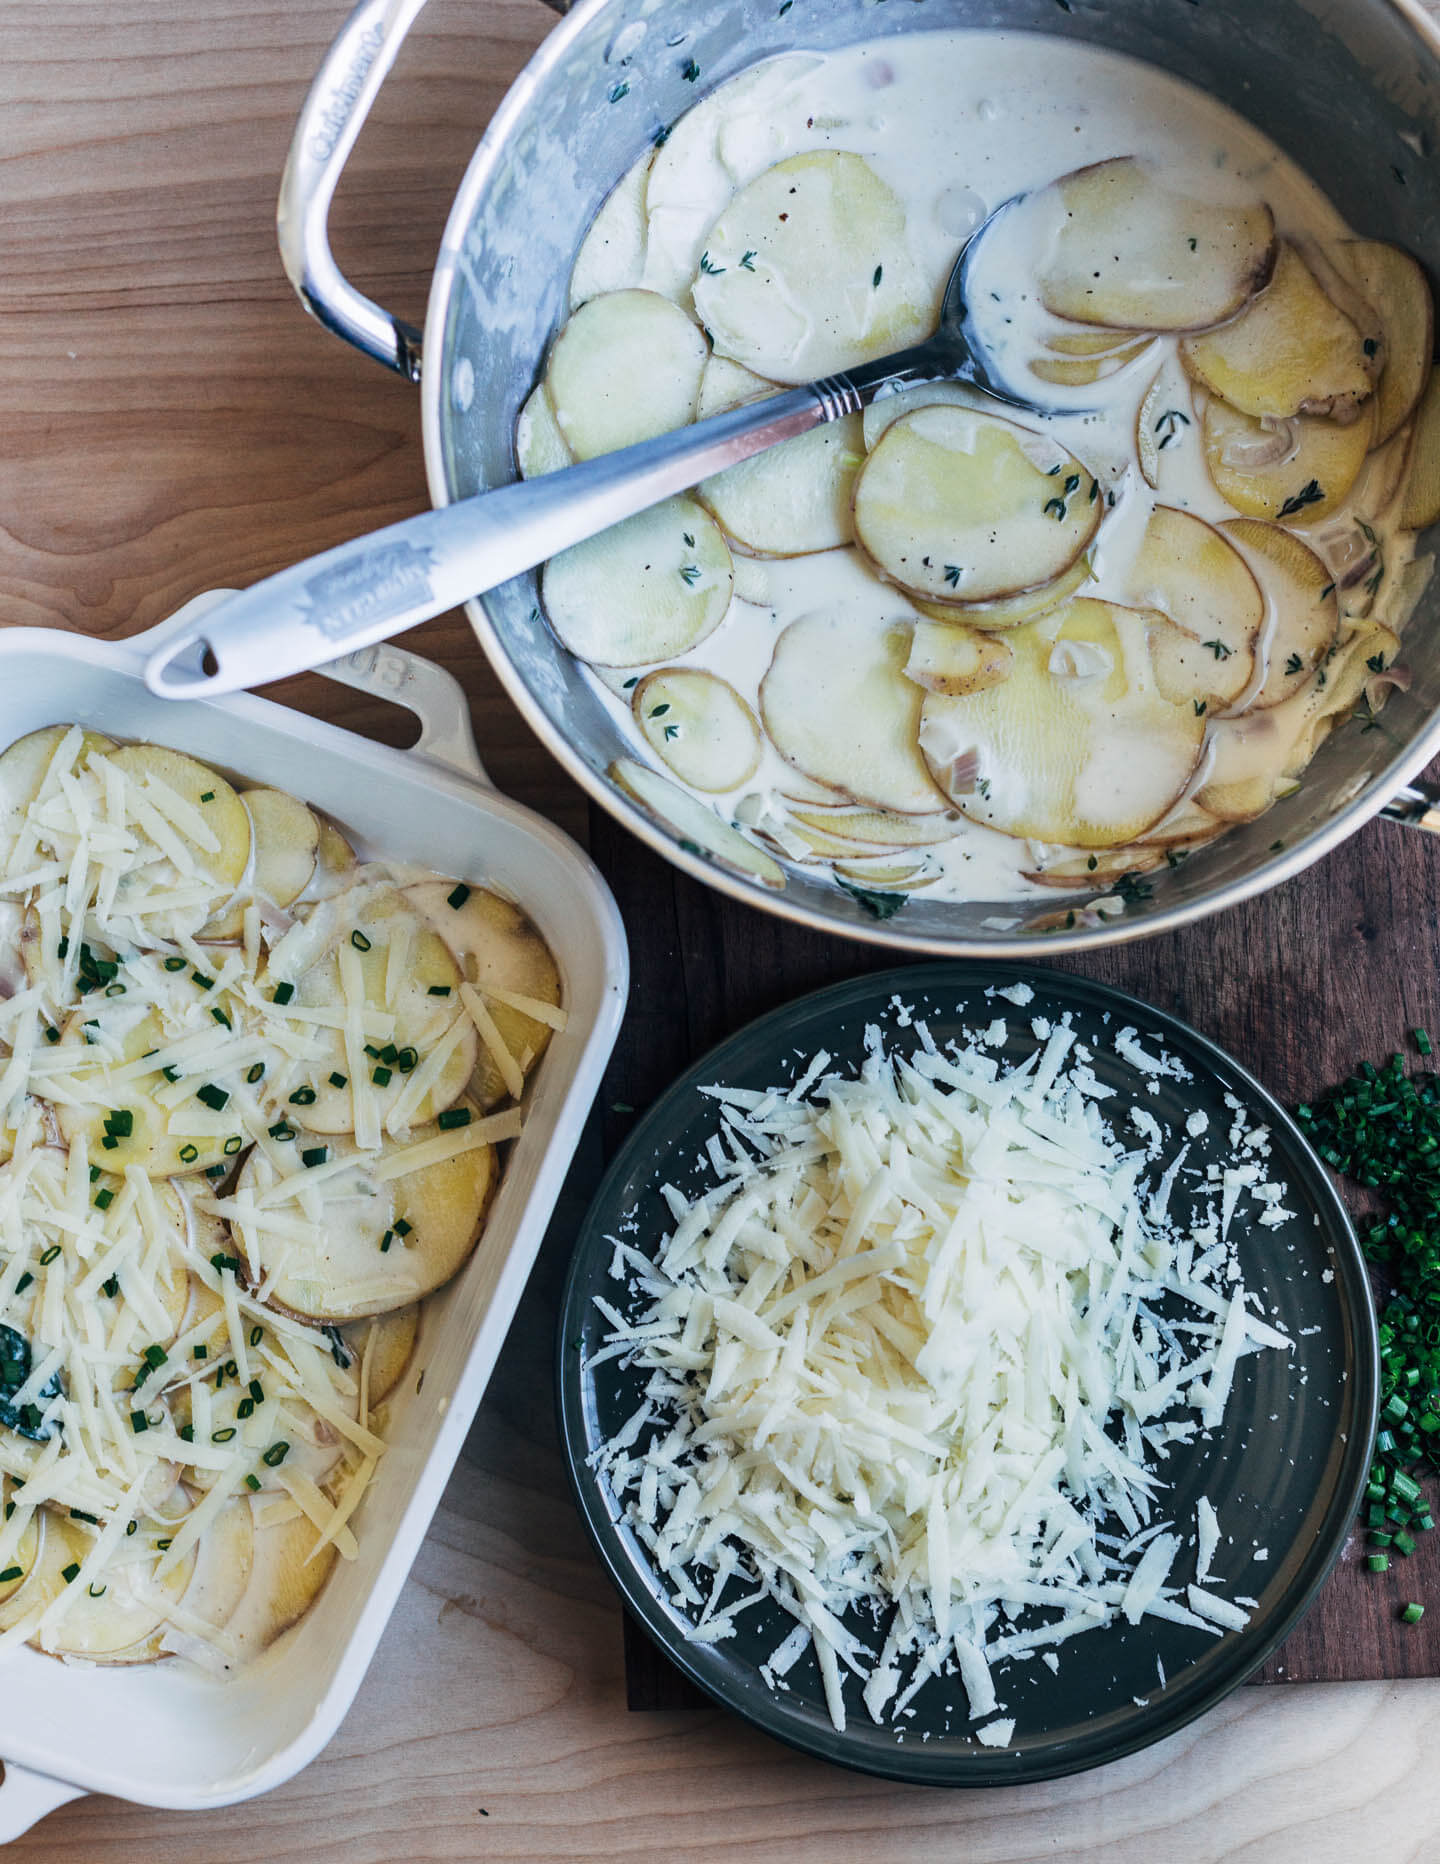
(378,585)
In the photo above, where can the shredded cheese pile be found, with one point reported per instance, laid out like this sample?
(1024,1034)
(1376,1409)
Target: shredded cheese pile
(917,1353)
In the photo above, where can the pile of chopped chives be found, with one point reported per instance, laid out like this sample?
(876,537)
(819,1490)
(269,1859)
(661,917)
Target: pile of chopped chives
(1382,1128)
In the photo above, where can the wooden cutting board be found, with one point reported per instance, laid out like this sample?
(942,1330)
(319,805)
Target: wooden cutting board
(1299,984)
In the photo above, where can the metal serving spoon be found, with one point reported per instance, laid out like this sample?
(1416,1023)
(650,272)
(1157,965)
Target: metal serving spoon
(379,585)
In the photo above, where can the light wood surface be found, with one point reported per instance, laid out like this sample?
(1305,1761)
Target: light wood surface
(169,422)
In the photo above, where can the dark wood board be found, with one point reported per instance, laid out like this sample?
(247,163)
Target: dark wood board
(1299,985)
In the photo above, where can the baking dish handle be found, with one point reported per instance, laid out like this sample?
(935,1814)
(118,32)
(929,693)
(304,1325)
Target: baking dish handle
(25,1799)
(331,118)
(435,697)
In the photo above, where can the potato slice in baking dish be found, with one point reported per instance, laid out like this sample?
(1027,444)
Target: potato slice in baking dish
(1395,286)
(24,766)
(384,1344)
(626,367)
(500,952)
(1294,472)
(1010,610)
(837,705)
(1420,504)
(648,590)
(205,815)
(1125,251)
(382,1238)
(718,145)
(21,1561)
(1302,612)
(59,1545)
(1290,351)
(612,253)
(794,499)
(698,725)
(963,506)
(289,1569)
(1078,746)
(949,657)
(808,271)
(378,965)
(699,829)
(540,447)
(285,845)
(1187,570)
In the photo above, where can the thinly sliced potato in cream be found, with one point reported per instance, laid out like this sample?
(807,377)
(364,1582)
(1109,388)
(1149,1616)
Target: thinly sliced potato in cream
(794,499)
(1420,503)
(1127,252)
(1081,371)
(378,1243)
(379,961)
(385,1344)
(949,657)
(612,253)
(1296,472)
(1093,873)
(209,795)
(837,705)
(1394,284)
(120,1619)
(23,767)
(1290,351)
(648,590)
(497,948)
(888,877)
(1188,571)
(625,368)
(290,1568)
(1186,825)
(1165,423)
(808,271)
(694,822)
(727,384)
(962,506)
(1077,340)
(699,726)
(801,841)
(882,827)
(23,1555)
(1009,611)
(334,866)
(1302,612)
(285,847)
(61,1545)
(884,412)
(1079,746)
(540,447)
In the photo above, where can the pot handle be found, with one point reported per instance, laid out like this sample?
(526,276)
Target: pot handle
(26,1798)
(331,117)
(1417,806)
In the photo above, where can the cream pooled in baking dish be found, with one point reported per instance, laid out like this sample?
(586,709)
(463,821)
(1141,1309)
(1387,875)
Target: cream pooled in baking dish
(951,645)
(253,1090)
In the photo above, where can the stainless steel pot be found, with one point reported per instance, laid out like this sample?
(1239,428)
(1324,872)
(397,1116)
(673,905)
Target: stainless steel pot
(1349,88)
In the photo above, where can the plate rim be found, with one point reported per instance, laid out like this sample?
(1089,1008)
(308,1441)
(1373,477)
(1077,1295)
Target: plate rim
(984,1767)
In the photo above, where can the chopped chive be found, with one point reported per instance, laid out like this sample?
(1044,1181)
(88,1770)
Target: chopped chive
(339,1080)
(130,1528)
(121,1123)
(453,1117)
(402,1227)
(188,1154)
(139,1422)
(280,1130)
(174,964)
(252,1481)
(222,1436)
(171,1074)
(11,1572)
(257,1391)
(104,1199)
(232,1145)
(220,1016)
(314,1155)
(372,1051)
(303,1097)
(79,1514)
(257,1334)
(457,895)
(257,1073)
(381,1077)
(200,1352)
(359,940)
(405,1061)
(110,1142)
(110,1287)
(385,1242)
(223,1262)
(186,1433)
(275,1455)
(201,981)
(215,1098)
(389,1054)
(1412,1613)
(94,1173)
(163,1546)
(48,1256)
(70,1573)
(52,1034)
(439,990)
(282,993)
(208,796)
(154,1357)
(245,1408)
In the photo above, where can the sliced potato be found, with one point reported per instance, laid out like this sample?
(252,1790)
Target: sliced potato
(540,447)
(334,866)
(287,1575)
(1077,340)
(964,506)
(807,271)
(402,970)
(1394,284)
(648,590)
(884,412)
(336,1270)
(1094,873)
(1296,472)
(1009,611)
(793,499)
(1188,571)
(1382,476)
(799,841)
(1420,504)
(1129,253)
(21,1562)
(726,385)
(389,1341)
(116,1619)
(285,841)
(723,141)
(149,766)
(949,657)
(1185,825)
(908,877)
(1302,612)
(837,705)
(1164,422)
(612,253)
(23,768)
(59,1547)
(1078,747)
(882,827)
(694,822)
(625,368)
(699,726)
(498,948)
(1081,371)
(1290,351)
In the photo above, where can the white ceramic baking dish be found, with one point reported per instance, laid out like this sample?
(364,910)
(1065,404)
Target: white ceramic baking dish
(166,1735)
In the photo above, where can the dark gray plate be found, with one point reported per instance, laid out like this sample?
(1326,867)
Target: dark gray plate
(1285,1469)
